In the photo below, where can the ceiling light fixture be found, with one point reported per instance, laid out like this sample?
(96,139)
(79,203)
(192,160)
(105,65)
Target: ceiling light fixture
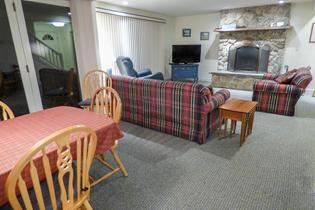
(125,3)
(58,24)
(281,1)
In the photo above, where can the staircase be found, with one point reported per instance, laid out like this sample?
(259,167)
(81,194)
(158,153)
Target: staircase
(45,53)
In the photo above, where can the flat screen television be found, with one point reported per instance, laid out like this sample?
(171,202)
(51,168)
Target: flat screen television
(186,53)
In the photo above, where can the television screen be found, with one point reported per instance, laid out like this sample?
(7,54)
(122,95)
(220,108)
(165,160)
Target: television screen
(186,53)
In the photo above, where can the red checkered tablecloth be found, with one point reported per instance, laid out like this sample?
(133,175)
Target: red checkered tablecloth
(18,135)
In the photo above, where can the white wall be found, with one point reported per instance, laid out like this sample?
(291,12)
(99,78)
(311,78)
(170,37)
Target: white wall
(168,29)
(299,52)
(209,50)
(83,18)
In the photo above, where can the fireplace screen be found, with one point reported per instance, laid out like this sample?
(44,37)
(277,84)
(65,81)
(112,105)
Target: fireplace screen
(247,58)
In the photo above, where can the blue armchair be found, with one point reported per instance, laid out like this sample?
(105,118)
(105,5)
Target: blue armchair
(125,66)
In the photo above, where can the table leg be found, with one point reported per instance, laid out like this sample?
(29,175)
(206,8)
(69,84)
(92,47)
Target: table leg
(232,130)
(243,129)
(251,122)
(226,121)
(220,124)
(234,127)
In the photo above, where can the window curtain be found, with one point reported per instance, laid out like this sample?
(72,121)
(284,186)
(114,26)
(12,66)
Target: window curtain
(141,40)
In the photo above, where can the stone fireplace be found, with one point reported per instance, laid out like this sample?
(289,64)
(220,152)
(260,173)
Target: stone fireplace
(255,47)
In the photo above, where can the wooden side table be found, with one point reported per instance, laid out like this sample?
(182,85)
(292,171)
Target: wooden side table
(237,110)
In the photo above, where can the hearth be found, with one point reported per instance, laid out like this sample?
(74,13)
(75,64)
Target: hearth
(248,58)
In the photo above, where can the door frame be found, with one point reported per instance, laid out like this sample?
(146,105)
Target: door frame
(63,3)
(23,51)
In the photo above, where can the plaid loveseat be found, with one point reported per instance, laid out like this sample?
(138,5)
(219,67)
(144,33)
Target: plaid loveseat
(181,109)
(279,98)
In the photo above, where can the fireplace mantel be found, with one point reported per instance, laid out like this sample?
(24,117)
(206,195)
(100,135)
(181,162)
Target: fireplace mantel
(252,29)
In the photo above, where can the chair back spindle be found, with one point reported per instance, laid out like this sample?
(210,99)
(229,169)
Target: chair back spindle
(94,80)
(107,101)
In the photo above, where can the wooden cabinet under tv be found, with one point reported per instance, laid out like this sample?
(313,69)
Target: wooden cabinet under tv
(184,71)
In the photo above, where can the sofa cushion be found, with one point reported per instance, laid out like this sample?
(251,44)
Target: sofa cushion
(287,77)
(302,78)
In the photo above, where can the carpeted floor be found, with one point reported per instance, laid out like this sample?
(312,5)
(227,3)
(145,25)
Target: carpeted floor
(274,169)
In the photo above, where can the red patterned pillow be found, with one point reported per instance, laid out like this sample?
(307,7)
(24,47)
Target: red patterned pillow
(287,77)
(302,78)
(211,89)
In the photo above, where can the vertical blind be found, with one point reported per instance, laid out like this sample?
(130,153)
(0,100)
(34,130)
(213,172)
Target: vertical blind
(141,40)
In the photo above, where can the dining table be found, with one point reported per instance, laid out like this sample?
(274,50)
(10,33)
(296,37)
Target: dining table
(19,134)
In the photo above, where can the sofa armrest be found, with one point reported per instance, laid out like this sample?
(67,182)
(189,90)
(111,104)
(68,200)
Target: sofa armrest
(219,98)
(274,87)
(144,72)
(269,76)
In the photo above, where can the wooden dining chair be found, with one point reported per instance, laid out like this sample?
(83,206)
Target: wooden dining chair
(92,81)
(6,112)
(73,184)
(107,101)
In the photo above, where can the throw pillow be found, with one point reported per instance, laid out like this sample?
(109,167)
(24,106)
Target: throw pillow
(287,77)
(302,78)
(211,89)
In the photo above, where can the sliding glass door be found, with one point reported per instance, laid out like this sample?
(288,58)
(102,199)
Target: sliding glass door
(49,30)
(37,56)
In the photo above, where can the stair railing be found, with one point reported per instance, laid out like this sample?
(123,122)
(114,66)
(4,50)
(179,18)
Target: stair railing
(46,53)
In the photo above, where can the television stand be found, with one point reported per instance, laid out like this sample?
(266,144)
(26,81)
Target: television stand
(184,71)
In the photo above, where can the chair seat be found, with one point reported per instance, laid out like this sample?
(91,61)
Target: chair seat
(86,102)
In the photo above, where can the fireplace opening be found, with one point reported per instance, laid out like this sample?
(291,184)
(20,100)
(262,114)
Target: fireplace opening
(247,58)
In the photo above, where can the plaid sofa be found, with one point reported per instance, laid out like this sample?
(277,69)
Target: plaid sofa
(274,97)
(181,109)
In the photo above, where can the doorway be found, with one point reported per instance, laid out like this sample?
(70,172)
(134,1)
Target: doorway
(37,56)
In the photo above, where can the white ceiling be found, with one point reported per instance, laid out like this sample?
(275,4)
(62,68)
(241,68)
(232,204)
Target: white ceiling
(192,7)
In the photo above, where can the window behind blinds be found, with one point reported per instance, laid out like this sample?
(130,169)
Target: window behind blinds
(141,40)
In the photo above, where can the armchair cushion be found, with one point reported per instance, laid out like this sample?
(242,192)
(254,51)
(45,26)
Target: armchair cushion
(157,76)
(144,72)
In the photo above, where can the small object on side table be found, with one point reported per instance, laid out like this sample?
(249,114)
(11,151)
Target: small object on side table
(238,110)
